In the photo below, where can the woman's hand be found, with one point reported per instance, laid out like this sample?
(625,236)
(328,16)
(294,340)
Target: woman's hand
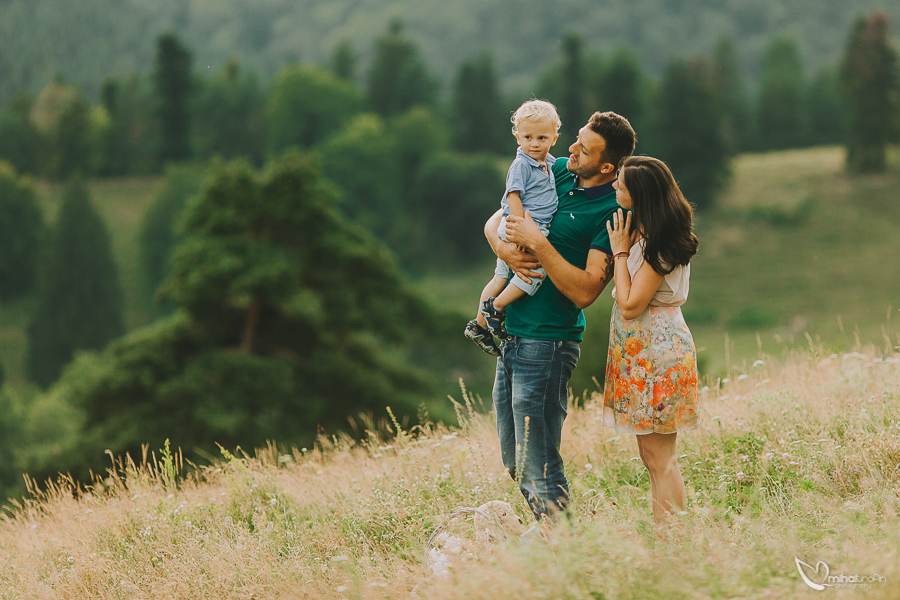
(621,237)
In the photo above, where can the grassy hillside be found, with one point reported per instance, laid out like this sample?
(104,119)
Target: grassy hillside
(795,459)
(87,41)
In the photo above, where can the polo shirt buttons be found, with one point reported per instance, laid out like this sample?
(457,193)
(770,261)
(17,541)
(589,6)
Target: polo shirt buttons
(571,193)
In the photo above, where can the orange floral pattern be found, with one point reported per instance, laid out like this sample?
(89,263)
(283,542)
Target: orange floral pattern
(651,373)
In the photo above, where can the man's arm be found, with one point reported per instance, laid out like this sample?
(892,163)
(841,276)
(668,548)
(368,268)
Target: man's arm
(580,286)
(520,262)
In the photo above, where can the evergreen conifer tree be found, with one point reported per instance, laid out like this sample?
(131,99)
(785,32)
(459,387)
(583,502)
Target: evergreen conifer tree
(825,108)
(343,61)
(871,79)
(479,120)
(290,319)
(398,77)
(620,87)
(689,129)
(21,234)
(172,84)
(572,110)
(20,141)
(229,115)
(731,93)
(79,304)
(781,119)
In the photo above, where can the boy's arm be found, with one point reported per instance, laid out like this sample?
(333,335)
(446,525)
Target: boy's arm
(514,199)
(520,262)
(580,286)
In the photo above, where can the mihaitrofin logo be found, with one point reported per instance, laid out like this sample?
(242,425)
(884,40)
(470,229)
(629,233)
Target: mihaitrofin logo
(820,577)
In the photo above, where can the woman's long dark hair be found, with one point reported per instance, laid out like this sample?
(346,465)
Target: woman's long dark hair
(661,213)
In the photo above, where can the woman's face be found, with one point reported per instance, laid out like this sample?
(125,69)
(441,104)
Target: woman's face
(622,195)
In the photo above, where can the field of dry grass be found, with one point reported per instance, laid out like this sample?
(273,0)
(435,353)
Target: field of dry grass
(796,458)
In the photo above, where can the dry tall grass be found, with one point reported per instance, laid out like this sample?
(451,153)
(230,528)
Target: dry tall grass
(799,458)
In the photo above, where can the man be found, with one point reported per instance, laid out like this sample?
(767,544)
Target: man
(537,360)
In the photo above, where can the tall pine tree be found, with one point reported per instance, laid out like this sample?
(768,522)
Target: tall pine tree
(871,79)
(732,95)
(20,141)
(21,233)
(398,78)
(621,87)
(689,130)
(479,119)
(572,110)
(172,83)
(343,61)
(781,93)
(230,115)
(79,305)
(825,108)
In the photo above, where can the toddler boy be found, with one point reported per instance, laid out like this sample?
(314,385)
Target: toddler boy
(530,186)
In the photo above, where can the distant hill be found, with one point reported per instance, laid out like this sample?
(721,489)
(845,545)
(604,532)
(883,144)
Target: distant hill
(88,40)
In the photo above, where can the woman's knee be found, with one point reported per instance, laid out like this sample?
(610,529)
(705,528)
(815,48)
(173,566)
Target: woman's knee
(658,457)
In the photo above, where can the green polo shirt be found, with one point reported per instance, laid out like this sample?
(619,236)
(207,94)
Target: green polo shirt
(578,226)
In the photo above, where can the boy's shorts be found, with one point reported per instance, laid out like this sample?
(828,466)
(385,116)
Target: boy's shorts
(502,270)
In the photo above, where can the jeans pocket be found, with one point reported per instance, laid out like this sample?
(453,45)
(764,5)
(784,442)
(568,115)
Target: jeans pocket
(535,351)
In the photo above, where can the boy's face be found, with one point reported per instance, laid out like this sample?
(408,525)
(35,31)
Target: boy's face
(535,139)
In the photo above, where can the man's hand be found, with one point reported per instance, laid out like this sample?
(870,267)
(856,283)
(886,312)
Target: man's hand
(522,263)
(523,231)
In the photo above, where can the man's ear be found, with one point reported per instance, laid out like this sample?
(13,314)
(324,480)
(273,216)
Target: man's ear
(607,168)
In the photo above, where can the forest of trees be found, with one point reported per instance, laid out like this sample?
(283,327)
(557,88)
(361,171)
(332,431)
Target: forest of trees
(295,208)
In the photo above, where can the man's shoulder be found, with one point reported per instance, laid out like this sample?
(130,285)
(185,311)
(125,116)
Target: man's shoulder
(559,168)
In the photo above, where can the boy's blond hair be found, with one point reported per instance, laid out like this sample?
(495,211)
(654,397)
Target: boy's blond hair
(535,111)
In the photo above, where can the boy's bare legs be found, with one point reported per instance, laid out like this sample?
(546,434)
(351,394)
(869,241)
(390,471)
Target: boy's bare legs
(507,297)
(658,454)
(493,289)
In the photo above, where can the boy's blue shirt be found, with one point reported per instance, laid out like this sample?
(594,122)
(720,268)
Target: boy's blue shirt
(578,227)
(536,187)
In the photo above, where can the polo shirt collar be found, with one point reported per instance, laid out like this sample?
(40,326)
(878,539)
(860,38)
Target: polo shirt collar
(528,159)
(599,190)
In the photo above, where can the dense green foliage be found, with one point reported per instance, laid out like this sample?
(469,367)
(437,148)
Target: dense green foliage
(289,319)
(306,104)
(79,302)
(871,76)
(21,233)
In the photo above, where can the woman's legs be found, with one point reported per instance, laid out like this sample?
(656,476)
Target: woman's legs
(657,451)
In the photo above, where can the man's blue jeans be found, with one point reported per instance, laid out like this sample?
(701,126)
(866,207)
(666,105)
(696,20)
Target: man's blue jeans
(531,396)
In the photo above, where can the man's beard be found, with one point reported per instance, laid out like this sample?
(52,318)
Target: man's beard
(586,172)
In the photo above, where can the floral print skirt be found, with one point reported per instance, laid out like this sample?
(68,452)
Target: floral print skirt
(651,373)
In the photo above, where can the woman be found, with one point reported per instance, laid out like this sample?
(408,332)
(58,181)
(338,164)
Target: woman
(651,374)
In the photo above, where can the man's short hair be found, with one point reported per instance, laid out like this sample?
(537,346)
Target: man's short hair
(616,131)
(536,111)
